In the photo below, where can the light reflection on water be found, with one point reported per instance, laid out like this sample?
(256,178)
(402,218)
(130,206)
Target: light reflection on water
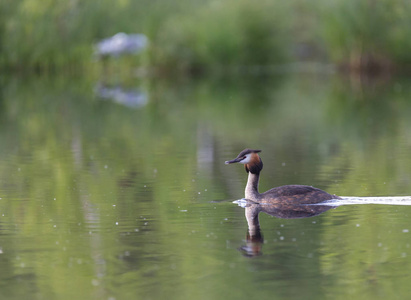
(100,201)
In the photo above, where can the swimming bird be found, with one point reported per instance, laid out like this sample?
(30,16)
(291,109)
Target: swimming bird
(286,194)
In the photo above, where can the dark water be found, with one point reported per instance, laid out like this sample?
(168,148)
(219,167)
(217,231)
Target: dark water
(121,191)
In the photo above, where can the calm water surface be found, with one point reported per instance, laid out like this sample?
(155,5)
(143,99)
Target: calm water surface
(121,192)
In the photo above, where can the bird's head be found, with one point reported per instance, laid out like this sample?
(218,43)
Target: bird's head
(250,159)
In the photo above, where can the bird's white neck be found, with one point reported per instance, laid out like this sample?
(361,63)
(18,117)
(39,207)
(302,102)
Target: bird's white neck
(251,189)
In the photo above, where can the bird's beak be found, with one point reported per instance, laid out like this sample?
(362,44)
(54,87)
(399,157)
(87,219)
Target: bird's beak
(235,160)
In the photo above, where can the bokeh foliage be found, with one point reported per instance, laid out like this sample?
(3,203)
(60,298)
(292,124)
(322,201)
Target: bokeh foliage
(366,34)
(203,35)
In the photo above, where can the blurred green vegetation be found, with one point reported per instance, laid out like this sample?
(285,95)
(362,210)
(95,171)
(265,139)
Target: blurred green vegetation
(368,35)
(196,36)
(224,34)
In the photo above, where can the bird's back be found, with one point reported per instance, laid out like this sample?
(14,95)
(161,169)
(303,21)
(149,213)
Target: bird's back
(293,194)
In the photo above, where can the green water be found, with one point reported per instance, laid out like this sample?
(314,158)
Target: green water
(101,200)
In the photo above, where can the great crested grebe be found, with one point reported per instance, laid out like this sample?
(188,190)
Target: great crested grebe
(291,194)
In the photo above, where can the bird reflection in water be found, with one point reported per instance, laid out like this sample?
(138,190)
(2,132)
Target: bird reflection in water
(254,237)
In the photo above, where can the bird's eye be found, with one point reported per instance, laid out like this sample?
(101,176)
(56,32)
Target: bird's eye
(244,157)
